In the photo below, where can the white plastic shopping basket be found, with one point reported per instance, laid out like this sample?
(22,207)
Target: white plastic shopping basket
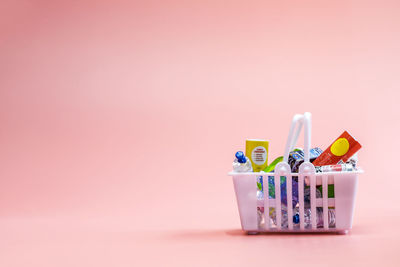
(318,207)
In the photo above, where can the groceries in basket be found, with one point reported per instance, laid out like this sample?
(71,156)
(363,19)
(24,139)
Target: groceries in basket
(241,163)
(339,151)
(342,150)
(257,152)
(335,168)
(340,156)
(296,157)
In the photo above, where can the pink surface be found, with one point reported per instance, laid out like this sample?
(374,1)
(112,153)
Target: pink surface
(119,121)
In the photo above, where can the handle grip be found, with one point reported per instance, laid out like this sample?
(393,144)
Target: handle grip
(298,120)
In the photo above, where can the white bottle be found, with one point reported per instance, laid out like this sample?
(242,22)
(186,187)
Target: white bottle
(241,163)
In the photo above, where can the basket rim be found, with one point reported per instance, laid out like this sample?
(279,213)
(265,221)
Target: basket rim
(261,173)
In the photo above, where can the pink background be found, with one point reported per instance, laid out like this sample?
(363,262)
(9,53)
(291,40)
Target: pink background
(119,121)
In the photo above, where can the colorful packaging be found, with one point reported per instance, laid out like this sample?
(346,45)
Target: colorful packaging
(271,167)
(296,158)
(331,190)
(335,168)
(340,150)
(257,152)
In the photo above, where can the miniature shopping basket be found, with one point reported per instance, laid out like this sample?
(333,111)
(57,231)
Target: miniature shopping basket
(323,213)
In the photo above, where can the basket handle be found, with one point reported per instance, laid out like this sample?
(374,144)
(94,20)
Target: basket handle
(298,120)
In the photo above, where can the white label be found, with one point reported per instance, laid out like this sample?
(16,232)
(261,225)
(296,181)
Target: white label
(259,155)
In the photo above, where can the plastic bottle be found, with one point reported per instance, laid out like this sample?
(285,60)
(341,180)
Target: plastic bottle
(241,163)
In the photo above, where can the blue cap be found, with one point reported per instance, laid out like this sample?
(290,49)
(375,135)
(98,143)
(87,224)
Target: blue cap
(296,219)
(240,157)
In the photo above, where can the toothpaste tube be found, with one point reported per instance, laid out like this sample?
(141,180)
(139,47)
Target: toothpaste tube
(335,168)
(340,150)
(257,152)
